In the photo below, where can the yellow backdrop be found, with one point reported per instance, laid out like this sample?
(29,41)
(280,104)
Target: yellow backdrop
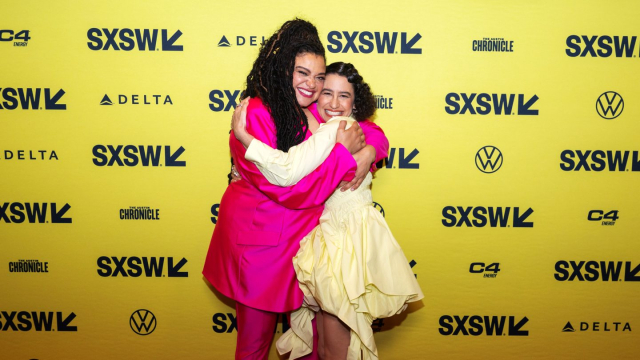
(114,121)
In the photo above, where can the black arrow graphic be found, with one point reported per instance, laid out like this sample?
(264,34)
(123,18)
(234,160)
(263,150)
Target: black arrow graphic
(405,162)
(51,103)
(167,45)
(174,271)
(523,109)
(514,330)
(63,325)
(631,275)
(519,221)
(171,159)
(635,165)
(407,47)
(57,216)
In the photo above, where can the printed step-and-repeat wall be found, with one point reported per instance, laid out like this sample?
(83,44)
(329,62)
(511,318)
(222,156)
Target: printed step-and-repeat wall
(511,182)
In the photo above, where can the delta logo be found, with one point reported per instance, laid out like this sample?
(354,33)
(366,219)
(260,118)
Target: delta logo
(242,41)
(138,100)
(133,39)
(31,99)
(616,326)
(34,213)
(367,42)
(601,46)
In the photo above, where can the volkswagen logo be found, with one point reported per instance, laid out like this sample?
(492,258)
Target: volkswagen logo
(378,207)
(610,105)
(142,322)
(488,159)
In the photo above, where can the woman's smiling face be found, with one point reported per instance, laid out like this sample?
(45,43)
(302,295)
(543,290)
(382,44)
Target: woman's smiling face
(308,78)
(337,97)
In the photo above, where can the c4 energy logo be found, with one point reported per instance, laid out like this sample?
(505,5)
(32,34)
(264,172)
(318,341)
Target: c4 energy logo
(134,266)
(223,100)
(366,42)
(139,213)
(599,326)
(601,46)
(478,325)
(38,321)
(481,216)
(599,160)
(34,213)
(29,98)
(132,39)
(32,155)
(29,266)
(19,38)
(492,45)
(404,161)
(489,159)
(501,104)
(383,102)
(609,105)
(479,268)
(596,270)
(608,219)
(138,100)
(134,155)
(142,322)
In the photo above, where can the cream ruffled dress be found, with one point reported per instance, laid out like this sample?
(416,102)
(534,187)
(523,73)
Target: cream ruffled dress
(350,265)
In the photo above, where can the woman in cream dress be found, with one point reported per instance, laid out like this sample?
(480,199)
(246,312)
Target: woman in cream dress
(350,266)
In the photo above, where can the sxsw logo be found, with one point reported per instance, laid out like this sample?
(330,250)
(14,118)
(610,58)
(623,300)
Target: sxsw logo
(140,266)
(141,39)
(215,208)
(404,160)
(598,160)
(595,326)
(143,322)
(600,46)
(38,321)
(138,100)
(594,270)
(241,40)
(478,325)
(366,42)
(17,213)
(29,98)
(501,104)
(227,323)
(489,159)
(481,216)
(609,105)
(133,155)
(223,100)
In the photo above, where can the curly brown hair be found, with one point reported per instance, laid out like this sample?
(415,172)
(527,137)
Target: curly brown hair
(271,78)
(364,101)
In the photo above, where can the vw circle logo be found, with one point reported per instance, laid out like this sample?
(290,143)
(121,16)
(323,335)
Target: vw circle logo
(610,105)
(378,207)
(488,159)
(142,322)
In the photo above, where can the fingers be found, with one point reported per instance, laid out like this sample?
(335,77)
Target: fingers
(343,125)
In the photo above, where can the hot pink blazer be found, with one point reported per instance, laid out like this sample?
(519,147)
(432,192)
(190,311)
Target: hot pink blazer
(260,225)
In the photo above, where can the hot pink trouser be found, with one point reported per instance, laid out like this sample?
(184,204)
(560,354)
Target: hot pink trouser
(255,334)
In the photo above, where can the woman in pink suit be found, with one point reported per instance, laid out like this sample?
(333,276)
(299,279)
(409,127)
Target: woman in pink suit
(260,225)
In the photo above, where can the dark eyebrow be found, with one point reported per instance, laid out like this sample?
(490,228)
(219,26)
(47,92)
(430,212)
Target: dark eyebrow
(307,70)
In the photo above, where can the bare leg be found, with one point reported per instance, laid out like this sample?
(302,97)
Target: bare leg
(319,323)
(336,337)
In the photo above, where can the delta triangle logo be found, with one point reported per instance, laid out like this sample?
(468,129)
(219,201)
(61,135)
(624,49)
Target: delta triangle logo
(106,100)
(568,327)
(224,42)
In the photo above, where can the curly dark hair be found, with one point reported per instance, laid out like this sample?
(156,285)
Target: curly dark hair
(364,101)
(271,78)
